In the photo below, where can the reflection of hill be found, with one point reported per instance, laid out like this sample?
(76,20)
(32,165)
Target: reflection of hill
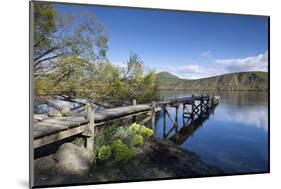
(244,98)
(227,97)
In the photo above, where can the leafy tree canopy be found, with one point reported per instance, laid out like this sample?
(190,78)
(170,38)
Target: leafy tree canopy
(70,61)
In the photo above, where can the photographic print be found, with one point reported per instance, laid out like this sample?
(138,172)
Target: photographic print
(122,94)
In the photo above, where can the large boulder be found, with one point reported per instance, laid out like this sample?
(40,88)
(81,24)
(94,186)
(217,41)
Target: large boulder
(73,160)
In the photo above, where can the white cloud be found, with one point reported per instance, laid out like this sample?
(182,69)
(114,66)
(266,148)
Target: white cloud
(253,63)
(257,117)
(193,71)
(206,54)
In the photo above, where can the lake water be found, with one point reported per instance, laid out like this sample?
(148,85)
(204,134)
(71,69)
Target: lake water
(234,137)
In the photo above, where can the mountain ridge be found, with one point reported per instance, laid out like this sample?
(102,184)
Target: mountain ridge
(239,81)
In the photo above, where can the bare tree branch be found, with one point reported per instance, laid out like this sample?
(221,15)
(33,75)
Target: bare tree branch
(45,59)
(45,53)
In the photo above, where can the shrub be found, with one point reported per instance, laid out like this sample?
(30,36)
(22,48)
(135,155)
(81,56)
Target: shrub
(116,143)
(122,133)
(146,132)
(104,152)
(134,128)
(122,151)
(79,141)
(137,139)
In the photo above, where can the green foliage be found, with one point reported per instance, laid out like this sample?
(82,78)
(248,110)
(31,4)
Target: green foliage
(123,134)
(142,130)
(138,139)
(122,151)
(120,142)
(44,26)
(135,128)
(65,112)
(74,64)
(104,152)
(87,106)
(146,132)
(79,141)
(104,136)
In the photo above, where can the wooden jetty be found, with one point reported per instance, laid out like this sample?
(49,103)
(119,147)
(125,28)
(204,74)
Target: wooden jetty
(47,130)
(189,127)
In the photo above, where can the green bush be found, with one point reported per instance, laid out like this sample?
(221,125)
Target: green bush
(146,132)
(134,128)
(79,141)
(137,139)
(122,142)
(104,152)
(122,151)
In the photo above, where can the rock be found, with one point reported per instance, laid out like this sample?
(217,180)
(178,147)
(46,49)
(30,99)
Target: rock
(73,160)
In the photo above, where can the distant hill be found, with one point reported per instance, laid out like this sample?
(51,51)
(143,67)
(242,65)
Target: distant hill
(244,81)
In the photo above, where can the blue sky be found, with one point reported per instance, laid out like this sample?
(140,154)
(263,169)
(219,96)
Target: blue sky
(190,45)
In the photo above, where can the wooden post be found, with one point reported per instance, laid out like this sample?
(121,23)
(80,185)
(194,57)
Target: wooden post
(183,112)
(176,119)
(177,111)
(90,132)
(192,110)
(153,116)
(193,106)
(134,117)
(164,130)
(201,104)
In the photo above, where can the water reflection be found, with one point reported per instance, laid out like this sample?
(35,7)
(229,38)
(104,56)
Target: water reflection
(233,137)
(247,115)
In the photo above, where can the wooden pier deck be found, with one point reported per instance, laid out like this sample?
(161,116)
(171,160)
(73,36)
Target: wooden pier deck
(47,130)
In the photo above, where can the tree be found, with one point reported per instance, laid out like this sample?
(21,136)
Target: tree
(66,52)
(70,62)
(135,83)
(58,35)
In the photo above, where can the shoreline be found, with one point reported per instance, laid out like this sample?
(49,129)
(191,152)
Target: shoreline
(156,159)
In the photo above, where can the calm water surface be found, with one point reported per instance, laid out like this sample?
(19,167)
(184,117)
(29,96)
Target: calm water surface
(234,137)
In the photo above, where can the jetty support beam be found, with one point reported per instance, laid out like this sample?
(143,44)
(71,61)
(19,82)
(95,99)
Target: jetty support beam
(134,117)
(89,132)
(153,116)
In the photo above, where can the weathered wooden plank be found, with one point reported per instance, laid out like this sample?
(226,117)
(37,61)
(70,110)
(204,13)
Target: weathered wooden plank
(67,121)
(40,117)
(153,117)
(112,113)
(57,136)
(41,129)
(134,117)
(142,122)
(90,129)
(123,117)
